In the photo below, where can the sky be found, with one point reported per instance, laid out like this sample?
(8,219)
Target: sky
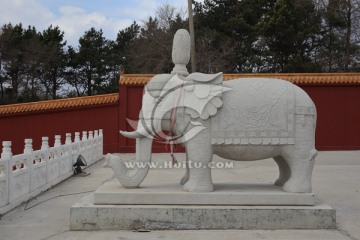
(74,17)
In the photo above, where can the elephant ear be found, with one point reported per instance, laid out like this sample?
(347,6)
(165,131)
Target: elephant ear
(203,94)
(156,84)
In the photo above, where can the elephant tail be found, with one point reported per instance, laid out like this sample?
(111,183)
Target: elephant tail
(313,154)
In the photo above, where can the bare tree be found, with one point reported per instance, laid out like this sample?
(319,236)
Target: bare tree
(166,13)
(151,51)
(342,18)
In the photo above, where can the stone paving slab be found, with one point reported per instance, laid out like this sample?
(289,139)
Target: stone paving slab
(205,234)
(335,181)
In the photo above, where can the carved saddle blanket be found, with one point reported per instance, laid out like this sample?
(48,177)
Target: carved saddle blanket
(255,111)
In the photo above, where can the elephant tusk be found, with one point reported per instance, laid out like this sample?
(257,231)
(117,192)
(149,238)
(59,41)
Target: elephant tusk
(134,134)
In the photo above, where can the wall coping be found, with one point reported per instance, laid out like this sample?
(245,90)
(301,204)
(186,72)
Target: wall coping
(68,103)
(296,78)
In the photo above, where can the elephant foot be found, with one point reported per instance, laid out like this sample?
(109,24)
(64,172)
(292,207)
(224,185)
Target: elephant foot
(297,186)
(186,186)
(184,179)
(197,187)
(280,182)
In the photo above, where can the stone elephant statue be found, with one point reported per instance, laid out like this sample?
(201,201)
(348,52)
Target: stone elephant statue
(242,119)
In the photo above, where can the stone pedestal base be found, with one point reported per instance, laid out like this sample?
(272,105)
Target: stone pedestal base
(163,208)
(112,193)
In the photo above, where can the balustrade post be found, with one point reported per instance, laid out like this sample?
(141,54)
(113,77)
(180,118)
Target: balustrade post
(68,139)
(83,147)
(6,150)
(77,137)
(58,152)
(6,156)
(100,133)
(91,152)
(57,141)
(69,148)
(75,147)
(97,143)
(28,148)
(84,136)
(45,143)
(77,141)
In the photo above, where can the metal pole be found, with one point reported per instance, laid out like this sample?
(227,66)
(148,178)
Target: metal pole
(192,37)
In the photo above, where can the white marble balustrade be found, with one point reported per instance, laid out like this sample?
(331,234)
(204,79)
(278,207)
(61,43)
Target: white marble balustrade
(26,175)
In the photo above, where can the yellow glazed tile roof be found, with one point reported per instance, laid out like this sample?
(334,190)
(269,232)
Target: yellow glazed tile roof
(59,104)
(296,78)
(135,79)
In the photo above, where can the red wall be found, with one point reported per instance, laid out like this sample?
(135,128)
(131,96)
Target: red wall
(338,109)
(338,121)
(338,125)
(16,128)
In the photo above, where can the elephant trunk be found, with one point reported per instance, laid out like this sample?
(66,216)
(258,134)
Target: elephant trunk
(132,177)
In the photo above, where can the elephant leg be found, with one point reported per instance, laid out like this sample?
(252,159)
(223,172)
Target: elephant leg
(284,171)
(185,178)
(301,167)
(200,154)
(301,156)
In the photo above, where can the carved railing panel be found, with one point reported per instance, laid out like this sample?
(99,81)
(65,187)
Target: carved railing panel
(19,176)
(38,170)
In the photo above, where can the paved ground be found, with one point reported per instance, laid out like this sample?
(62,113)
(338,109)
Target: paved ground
(336,181)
